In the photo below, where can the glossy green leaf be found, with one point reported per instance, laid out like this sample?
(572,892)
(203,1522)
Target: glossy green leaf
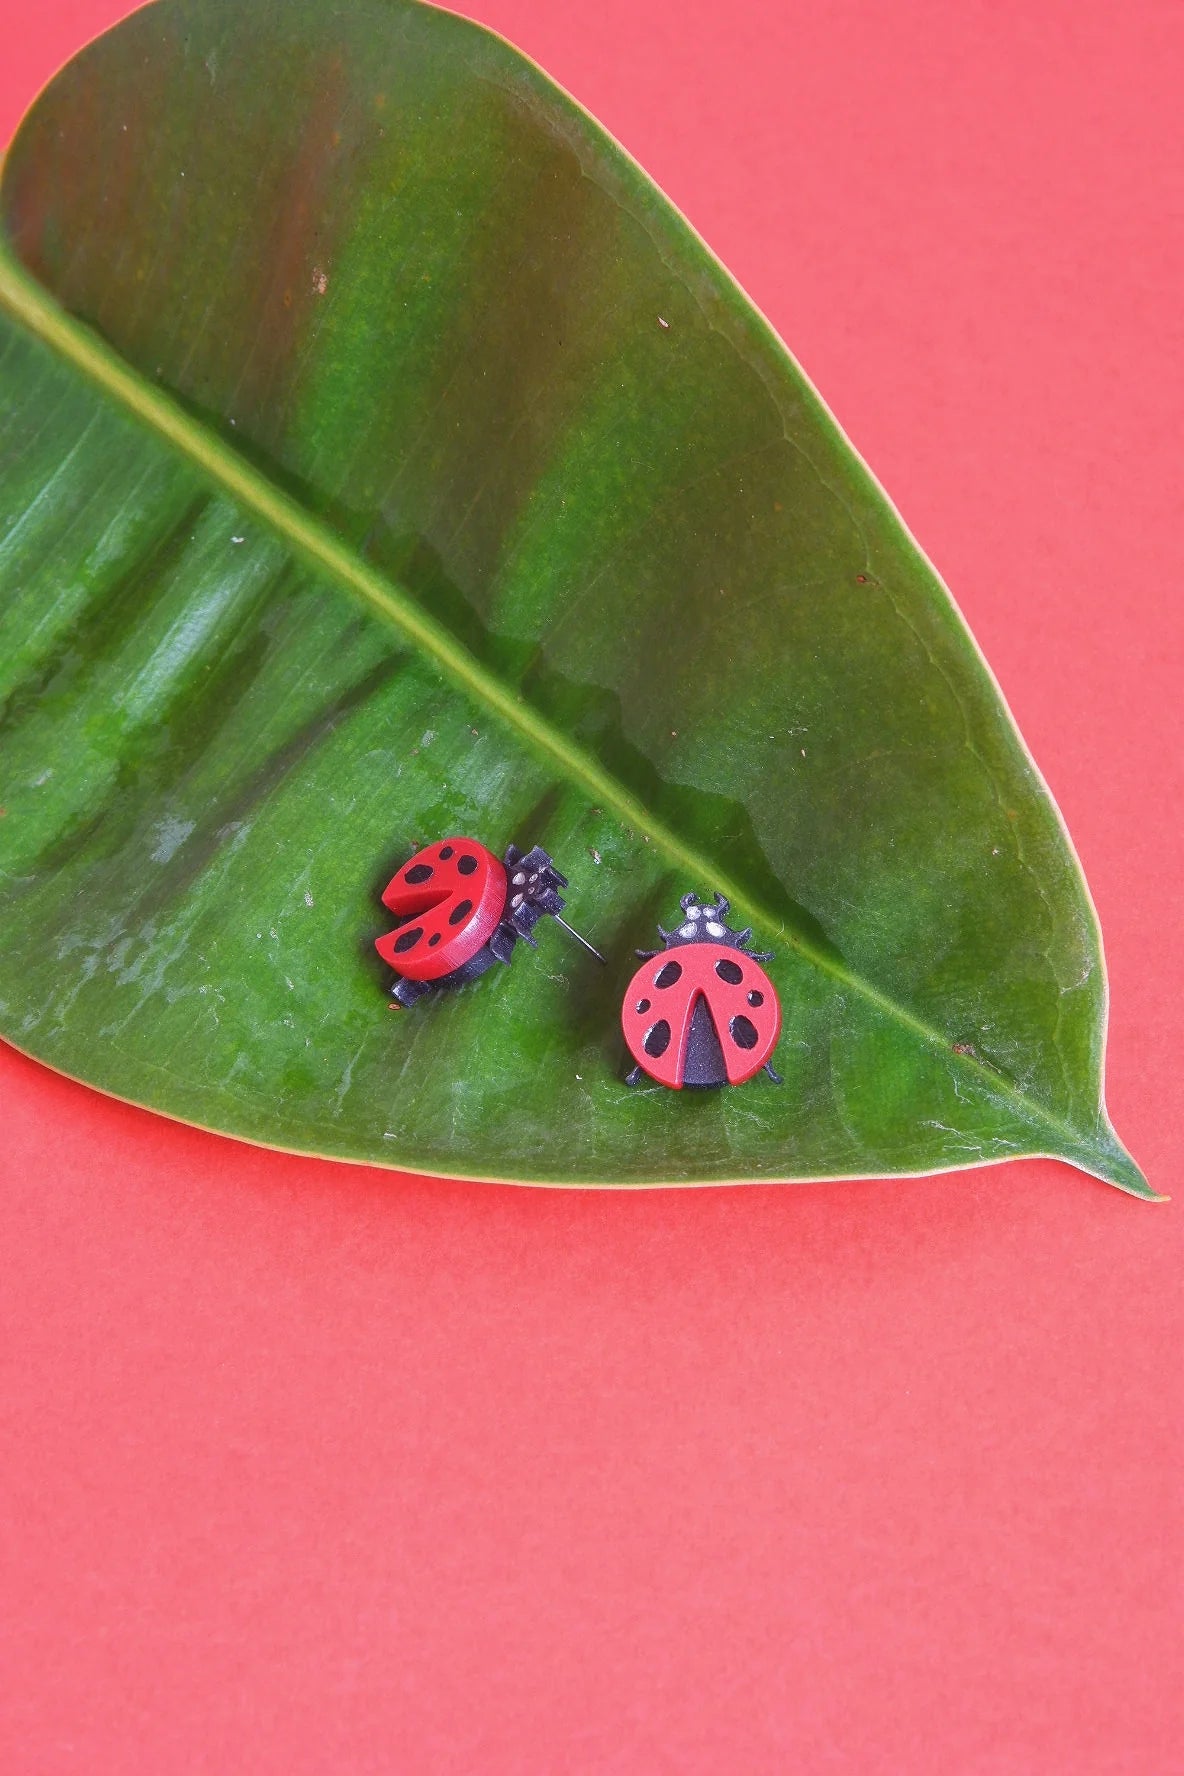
(381,456)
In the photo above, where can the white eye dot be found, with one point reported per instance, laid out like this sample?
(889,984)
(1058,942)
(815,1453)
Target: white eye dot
(519,879)
(688,931)
(694,912)
(716,930)
(516,901)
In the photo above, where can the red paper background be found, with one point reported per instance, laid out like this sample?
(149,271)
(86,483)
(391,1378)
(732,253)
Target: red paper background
(310,1468)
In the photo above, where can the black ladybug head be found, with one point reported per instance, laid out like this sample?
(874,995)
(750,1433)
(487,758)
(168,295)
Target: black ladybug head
(533,888)
(704,922)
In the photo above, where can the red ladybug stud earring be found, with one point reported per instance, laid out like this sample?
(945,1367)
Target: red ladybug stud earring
(460,910)
(702,1011)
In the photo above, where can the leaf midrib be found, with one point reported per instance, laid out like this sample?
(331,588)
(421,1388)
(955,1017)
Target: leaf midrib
(30,304)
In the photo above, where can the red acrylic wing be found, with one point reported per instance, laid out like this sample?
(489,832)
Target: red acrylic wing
(660,1004)
(449,898)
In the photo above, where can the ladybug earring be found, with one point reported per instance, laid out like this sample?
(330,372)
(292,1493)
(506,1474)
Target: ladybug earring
(460,910)
(702,1011)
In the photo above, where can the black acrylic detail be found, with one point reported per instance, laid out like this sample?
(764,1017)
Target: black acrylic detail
(703,1063)
(406,992)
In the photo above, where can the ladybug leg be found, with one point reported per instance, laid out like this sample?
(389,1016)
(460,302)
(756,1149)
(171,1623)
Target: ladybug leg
(634,1074)
(648,955)
(503,940)
(408,992)
(775,1077)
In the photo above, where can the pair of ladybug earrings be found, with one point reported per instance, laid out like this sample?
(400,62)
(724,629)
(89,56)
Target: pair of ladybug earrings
(701,1011)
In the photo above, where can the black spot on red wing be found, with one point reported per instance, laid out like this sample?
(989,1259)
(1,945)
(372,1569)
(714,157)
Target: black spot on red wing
(667,975)
(460,912)
(446,852)
(755,998)
(406,939)
(467,864)
(420,873)
(744,1033)
(433,940)
(729,971)
(657,1039)
(642,1005)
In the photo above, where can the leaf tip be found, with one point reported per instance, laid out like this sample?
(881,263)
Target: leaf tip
(1106,1158)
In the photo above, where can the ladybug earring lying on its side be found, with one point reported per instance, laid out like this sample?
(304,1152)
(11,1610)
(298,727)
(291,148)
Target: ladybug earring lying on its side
(702,1011)
(460,910)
